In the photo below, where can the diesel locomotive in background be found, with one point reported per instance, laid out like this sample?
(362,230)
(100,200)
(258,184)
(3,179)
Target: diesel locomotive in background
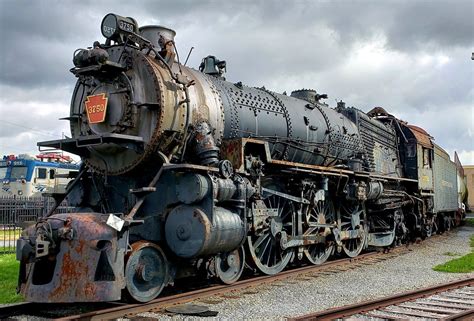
(184,173)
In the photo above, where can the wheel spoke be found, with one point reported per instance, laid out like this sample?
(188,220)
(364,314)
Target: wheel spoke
(286,213)
(352,247)
(260,240)
(318,253)
(267,255)
(265,249)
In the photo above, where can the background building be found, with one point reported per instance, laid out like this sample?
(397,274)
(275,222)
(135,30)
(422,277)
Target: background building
(469,173)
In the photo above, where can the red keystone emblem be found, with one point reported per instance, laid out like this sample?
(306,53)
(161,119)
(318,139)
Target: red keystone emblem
(96,107)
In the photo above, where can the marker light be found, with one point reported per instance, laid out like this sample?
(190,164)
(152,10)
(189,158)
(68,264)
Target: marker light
(113,26)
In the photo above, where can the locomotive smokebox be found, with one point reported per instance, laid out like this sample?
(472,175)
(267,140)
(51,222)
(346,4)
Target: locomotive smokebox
(190,232)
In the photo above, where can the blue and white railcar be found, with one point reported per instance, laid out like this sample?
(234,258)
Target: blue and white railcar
(26,176)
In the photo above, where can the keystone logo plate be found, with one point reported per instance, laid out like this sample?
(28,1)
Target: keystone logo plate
(96,107)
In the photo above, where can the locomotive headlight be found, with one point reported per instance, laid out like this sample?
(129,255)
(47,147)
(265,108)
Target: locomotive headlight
(113,26)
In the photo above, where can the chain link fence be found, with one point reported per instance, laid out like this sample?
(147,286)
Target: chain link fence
(18,212)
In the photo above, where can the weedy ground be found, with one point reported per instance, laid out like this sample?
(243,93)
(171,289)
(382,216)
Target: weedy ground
(463,264)
(8,279)
(452,254)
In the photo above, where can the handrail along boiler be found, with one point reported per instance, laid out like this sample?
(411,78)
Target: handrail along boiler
(186,173)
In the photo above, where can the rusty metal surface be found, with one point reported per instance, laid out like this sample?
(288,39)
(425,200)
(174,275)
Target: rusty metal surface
(205,103)
(422,137)
(232,150)
(74,274)
(349,310)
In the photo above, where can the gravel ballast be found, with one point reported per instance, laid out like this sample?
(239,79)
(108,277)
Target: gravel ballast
(299,296)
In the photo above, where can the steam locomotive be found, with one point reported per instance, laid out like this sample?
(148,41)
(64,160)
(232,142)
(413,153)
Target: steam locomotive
(184,173)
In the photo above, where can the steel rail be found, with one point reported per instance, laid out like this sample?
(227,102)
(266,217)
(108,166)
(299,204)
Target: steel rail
(13,309)
(352,309)
(49,310)
(466,315)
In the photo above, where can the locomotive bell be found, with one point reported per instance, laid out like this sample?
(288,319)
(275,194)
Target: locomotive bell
(210,65)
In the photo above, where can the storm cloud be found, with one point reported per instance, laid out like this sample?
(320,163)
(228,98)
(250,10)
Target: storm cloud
(411,57)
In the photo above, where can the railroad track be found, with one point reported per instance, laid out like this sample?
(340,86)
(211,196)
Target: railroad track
(106,311)
(449,301)
(111,310)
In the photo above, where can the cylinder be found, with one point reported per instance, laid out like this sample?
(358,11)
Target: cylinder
(374,190)
(190,233)
(192,188)
(224,189)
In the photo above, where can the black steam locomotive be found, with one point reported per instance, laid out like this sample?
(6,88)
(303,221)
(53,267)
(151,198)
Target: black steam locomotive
(186,173)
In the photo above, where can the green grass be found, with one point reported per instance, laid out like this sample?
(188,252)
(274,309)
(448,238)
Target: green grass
(8,279)
(464,264)
(470,222)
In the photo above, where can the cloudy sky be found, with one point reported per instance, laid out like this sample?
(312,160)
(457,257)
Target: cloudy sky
(411,57)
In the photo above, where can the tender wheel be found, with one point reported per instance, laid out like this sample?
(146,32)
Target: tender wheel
(318,214)
(265,248)
(229,266)
(457,219)
(146,271)
(427,229)
(352,220)
(448,223)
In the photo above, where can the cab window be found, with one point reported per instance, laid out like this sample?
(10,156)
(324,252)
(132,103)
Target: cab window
(411,150)
(51,173)
(19,172)
(41,173)
(426,158)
